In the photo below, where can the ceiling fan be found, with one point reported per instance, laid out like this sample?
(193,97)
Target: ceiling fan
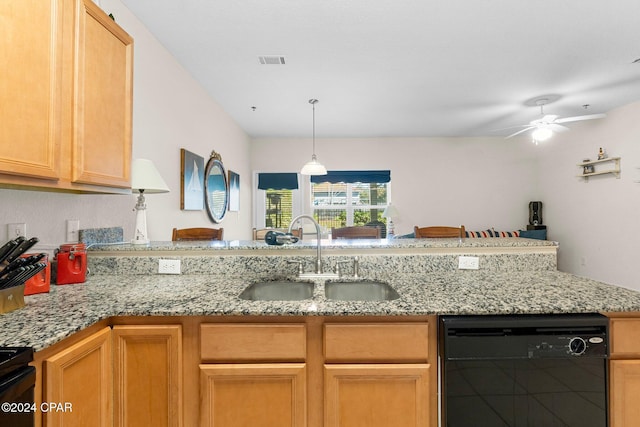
(544,127)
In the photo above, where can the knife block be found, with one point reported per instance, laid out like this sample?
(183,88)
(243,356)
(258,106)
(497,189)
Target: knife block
(11,299)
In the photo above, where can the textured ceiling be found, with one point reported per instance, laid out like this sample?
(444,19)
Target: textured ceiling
(402,67)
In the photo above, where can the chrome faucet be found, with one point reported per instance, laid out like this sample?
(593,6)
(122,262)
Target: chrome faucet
(318,236)
(318,268)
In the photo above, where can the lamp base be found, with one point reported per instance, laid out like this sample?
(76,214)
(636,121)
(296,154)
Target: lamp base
(140,233)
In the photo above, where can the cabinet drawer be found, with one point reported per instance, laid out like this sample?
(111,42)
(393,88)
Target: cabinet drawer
(625,337)
(402,342)
(252,342)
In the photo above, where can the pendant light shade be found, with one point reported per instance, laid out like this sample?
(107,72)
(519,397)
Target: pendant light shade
(313,167)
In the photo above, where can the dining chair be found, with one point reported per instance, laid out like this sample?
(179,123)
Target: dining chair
(197,234)
(439,231)
(355,232)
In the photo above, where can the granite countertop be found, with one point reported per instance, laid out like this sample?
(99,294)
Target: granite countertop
(236,245)
(49,318)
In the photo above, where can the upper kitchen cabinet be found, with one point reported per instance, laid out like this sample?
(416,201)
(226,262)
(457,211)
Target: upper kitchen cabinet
(65,98)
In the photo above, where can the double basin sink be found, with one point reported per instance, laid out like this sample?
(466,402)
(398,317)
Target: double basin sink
(341,291)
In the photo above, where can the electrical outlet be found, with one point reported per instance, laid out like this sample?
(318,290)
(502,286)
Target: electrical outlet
(73,227)
(468,262)
(169,266)
(16,229)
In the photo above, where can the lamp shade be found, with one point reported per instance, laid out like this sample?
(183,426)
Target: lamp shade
(313,167)
(390,211)
(145,176)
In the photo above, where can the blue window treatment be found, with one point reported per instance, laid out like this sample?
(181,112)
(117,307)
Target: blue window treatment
(379,176)
(278,181)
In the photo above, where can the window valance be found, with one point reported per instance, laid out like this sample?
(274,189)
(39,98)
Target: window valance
(371,176)
(278,181)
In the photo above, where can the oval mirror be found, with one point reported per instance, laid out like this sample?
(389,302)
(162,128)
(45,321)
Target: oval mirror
(216,189)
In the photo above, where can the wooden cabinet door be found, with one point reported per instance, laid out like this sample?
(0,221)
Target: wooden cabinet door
(148,375)
(377,395)
(624,392)
(101,147)
(81,375)
(30,88)
(242,395)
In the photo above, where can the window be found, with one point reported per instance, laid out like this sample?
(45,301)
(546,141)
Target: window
(347,198)
(278,199)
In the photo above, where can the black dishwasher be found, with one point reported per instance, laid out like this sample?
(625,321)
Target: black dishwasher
(524,370)
(17,382)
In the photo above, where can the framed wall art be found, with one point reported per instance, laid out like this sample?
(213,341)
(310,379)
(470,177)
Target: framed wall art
(191,181)
(234,192)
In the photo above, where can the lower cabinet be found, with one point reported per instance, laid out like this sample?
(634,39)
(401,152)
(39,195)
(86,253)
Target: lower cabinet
(377,375)
(624,392)
(376,395)
(80,376)
(266,382)
(624,371)
(148,375)
(216,372)
(266,395)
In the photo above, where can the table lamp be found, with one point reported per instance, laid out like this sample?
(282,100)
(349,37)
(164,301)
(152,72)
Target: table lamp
(390,212)
(145,178)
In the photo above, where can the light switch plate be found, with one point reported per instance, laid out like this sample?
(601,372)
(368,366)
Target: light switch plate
(468,262)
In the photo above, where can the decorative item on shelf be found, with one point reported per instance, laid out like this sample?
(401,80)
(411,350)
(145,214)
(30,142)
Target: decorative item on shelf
(144,178)
(390,212)
(587,168)
(191,181)
(313,167)
(602,154)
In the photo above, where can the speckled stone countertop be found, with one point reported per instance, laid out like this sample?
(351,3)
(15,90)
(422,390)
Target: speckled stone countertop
(327,244)
(49,318)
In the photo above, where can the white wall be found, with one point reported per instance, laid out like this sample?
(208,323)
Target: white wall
(171,111)
(597,222)
(478,182)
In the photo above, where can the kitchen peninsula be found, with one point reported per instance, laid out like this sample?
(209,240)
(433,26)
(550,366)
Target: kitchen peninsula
(207,334)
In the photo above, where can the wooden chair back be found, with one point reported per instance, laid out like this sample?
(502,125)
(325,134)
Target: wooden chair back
(355,232)
(197,234)
(258,234)
(439,231)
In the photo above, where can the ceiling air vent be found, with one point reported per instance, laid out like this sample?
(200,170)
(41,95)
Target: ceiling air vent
(271,60)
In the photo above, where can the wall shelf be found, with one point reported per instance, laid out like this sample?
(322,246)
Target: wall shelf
(615,171)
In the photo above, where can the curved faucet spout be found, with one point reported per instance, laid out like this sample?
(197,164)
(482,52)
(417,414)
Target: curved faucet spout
(318,237)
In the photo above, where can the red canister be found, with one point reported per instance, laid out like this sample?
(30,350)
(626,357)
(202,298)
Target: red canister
(40,283)
(72,263)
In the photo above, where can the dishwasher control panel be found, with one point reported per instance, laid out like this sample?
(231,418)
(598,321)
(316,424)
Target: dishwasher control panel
(592,345)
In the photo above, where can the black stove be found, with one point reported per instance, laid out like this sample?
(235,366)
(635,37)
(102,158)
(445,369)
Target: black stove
(17,383)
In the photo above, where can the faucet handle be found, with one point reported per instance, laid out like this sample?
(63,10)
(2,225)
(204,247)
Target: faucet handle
(300,269)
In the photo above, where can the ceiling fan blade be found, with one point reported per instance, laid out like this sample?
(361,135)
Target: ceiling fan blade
(557,128)
(549,118)
(520,131)
(579,118)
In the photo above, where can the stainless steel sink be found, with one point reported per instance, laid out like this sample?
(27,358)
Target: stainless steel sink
(360,291)
(278,291)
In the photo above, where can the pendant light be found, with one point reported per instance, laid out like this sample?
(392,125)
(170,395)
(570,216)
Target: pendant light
(313,167)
